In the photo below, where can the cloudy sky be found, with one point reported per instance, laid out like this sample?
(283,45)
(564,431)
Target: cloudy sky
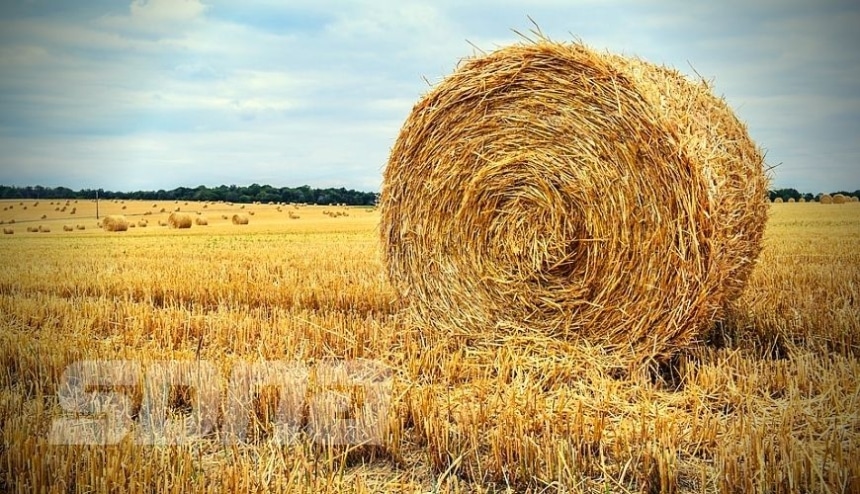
(165,93)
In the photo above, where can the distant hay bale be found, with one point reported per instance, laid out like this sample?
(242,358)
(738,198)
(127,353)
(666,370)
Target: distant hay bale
(546,188)
(224,217)
(854,199)
(777,199)
(32,229)
(162,223)
(147,213)
(142,223)
(201,220)
(8,231)
(115,223)
(123,207)
(802,199)
(163,210)
(44,229)
(44,216)
(73,211)
(839,199)
(251,213)
(131,225)
(791,199)
(240,219)
(80,227)
(68,228)
(179,220)
(825,199)
(12,221)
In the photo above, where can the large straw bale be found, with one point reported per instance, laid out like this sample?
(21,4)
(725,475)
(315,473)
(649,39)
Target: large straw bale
(548,188)
(179,220)
(115,223)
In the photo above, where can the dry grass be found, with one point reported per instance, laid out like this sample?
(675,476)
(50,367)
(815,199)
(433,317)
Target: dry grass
(115,223)
(179,220)
(767,402)
(538,191)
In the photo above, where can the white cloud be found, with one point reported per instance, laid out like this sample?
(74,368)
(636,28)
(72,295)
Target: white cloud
(316,91)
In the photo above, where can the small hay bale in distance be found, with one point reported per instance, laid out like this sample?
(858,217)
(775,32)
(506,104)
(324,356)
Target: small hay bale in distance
(240,219)
(114,223)
(179,220)
(32,229)
(854,199)
(142,223)
(68,228)
(777,200)
(825,199)
(802,199)
(224,217)
(839,199)
(201,220)
(791,199)
(80,227)
(8,231)
(43,229)
(549,189)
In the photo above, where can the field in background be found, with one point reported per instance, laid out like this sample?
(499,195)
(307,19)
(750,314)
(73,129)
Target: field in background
(769,402)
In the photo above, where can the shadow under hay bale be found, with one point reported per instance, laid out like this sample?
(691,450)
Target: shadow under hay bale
(548,188)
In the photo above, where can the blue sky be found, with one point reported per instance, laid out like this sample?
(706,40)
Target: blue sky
(166,93)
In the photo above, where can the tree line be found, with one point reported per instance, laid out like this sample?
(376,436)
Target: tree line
(228,193)
(787,194)
(266,193)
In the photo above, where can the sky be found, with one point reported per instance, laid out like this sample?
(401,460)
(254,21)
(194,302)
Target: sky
(157,94)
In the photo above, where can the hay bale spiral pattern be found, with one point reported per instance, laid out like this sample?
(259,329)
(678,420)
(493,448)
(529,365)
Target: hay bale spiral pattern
(545,187)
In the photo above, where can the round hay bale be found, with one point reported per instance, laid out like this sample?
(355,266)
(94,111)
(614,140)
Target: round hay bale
(201,220)
(548,188)
(32,229)
(142,223)
(777,200)
(162,223)
(825,199)
(839,199)
(44,229)
(68,228)
(224,217)
(802,199)
(131,225)
(791,199)
(855,199)
(240,219)
(8,231)
(80,227)
(115,223)
(179,220)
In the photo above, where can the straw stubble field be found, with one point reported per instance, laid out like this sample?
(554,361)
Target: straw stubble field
(768,403)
